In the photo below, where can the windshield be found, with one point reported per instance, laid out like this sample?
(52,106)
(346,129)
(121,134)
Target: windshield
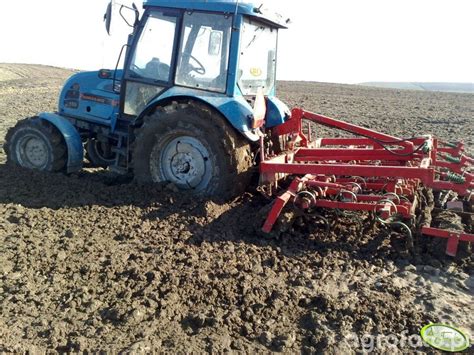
(154,51)
(257,63)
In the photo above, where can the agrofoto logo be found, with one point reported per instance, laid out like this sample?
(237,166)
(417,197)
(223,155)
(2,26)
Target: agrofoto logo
(440,336)
(445,337)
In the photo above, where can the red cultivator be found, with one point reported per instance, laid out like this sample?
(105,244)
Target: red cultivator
(395,179)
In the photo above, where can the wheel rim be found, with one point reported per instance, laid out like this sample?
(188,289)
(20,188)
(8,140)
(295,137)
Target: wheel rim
(184,161)
(32,152)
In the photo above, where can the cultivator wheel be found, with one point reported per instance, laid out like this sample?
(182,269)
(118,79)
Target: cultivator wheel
(392,180)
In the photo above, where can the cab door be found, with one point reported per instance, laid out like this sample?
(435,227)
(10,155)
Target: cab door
(150,66)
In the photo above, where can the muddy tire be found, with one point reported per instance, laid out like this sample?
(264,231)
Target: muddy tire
(195,149)
(36,144)
(99,154)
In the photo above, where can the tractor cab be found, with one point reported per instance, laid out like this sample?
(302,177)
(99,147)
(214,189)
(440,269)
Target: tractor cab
(206,49)
(195,56)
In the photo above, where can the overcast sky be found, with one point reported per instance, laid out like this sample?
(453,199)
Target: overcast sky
(345,41)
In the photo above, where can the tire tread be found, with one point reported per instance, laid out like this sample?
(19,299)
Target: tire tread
(58,146)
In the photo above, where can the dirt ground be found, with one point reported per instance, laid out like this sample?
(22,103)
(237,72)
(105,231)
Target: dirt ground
(92,261)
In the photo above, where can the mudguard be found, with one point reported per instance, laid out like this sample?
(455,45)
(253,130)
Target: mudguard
(277,112)
(235,109)
(75,150)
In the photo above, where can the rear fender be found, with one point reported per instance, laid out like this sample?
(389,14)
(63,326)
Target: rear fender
(236,110)
(277,112)
(75,150)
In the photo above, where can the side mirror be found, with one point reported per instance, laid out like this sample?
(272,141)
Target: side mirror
(108,17)
(128,20)
(215,43)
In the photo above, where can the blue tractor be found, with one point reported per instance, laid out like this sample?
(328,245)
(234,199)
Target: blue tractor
(190,106)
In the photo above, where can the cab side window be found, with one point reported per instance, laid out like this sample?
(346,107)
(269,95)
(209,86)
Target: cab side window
(204,51)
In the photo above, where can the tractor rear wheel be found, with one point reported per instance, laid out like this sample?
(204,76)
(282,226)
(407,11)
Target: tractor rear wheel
(195,149)
(36,144)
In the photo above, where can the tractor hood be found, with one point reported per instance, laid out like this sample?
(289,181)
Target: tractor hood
(91,95)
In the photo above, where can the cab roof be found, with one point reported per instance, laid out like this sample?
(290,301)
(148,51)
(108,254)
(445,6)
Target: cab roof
(248,8)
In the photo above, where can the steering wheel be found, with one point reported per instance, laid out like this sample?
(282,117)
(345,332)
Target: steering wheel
(200,70)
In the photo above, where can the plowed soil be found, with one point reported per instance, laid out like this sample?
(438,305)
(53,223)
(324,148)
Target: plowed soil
(92,261)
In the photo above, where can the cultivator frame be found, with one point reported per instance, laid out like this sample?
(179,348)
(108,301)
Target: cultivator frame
(373,172)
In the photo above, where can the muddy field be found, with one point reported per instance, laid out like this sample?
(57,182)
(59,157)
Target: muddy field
(91,261)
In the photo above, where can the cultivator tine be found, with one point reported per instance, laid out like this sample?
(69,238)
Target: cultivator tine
(275,212)
(278,205)
(324,220)
(452,245)
(375,173)
(409,235)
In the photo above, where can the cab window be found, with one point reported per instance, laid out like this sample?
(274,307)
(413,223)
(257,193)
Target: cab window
(204,51)
(154,51)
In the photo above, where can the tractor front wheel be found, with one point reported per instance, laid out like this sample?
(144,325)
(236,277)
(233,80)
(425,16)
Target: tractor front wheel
(193,148)
(36,144)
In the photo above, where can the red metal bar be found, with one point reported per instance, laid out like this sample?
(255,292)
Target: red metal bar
(347,141)
(464,160)
(461,189)
(299,114)
(452,151)
(325,184)
(279,204)
(401,187)
(424,174)
(319,154)
(453,238)
(468,159)
(446,145)
(362,206)
(457,168)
